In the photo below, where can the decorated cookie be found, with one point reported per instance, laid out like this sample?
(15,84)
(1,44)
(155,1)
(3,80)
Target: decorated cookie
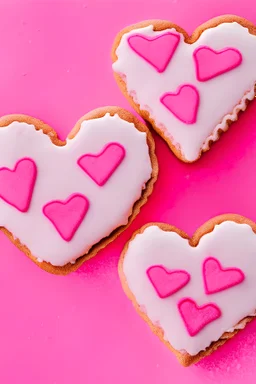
(190,88)
(61,202)
(195,293)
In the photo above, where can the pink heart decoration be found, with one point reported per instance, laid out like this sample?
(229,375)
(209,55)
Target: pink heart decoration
(183,103)
(66,216)
(216,278)
(210,63)
(167,282)
(101,166)
(16,186)
(197,317)
(157,51)
(189,312)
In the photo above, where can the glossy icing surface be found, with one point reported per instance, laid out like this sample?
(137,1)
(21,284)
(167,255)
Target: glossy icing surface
(157,51)
(166,282)
(216,278)
(67,215)
(183,103)
(210,63)
(197,317)
(102,165)
(17,184)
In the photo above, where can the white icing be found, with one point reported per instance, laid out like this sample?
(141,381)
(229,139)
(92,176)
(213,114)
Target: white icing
(223,126)
(234,245)
(242,324)
(221,98)
(59,176)
(238,326)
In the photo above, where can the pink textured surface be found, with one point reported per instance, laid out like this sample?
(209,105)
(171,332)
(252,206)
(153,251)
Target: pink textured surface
(210,63)
(81,328)
(197,317)
(17,184)
(67,215)
(216,278)
(101,166)
(157,51)
(167,282)
(183,103)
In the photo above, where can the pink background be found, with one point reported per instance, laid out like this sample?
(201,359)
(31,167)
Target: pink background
(55,65)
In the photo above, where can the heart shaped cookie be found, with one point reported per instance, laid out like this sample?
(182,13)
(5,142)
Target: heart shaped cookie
(61,202)
(189,88)
(195,293)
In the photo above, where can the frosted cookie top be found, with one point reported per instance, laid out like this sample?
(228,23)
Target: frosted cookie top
(189,90)
(61,200)
(194,293)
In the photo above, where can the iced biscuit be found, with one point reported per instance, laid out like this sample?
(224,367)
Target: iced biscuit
(189,88)
(61,202)
(195,293)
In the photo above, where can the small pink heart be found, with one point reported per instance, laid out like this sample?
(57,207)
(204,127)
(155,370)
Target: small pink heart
(101,166)
(183,103)
(216,278)
(197,317)
(167,282)
(157,51)
(210,63)
(66,216)
(16,186)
